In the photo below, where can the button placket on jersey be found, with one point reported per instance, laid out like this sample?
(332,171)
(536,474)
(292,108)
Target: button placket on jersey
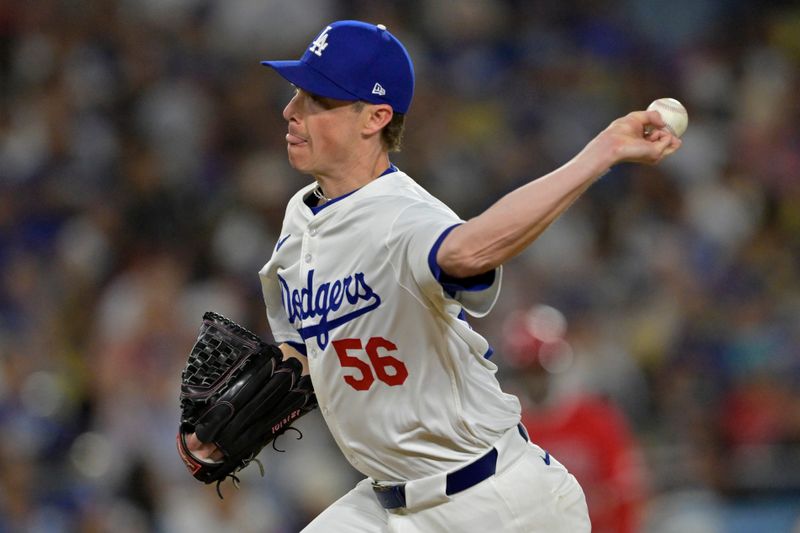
(308,260)
(308,250)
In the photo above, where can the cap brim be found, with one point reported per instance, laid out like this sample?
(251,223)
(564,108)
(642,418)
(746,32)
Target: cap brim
(305,77)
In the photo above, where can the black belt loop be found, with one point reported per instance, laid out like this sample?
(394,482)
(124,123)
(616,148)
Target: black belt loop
(390,496)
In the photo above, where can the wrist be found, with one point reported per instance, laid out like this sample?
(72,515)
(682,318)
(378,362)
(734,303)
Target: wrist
(595,160)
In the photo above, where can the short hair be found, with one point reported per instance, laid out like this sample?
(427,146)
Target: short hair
(392,133)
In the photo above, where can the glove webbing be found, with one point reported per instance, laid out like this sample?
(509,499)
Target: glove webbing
(217,356)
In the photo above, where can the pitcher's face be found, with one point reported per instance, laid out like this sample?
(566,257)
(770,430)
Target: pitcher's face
(323,132)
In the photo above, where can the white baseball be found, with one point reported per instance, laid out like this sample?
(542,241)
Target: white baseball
(673,113)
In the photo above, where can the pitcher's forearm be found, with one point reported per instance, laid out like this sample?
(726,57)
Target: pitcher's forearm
(516,220)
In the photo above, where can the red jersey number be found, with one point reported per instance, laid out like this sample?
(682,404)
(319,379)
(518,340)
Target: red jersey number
(387,368)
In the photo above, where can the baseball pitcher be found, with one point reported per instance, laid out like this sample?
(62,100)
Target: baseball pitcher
(367,294)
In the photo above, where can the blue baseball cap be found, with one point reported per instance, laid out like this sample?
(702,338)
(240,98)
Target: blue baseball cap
(352,60)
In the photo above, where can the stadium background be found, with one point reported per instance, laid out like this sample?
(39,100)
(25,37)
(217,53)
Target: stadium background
(143,179)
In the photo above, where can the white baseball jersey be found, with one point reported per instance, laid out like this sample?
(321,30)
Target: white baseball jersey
(402,381)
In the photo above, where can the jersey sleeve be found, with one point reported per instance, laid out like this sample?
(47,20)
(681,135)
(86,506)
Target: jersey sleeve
(413,242)
(282,329)
(274,289)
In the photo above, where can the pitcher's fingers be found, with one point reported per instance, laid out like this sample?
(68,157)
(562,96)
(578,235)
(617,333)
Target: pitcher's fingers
(655,134)
(647,118)
(673,146)
(662,146)
(203,450)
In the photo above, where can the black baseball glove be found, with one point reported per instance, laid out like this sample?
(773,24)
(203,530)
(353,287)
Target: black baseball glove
(238,393)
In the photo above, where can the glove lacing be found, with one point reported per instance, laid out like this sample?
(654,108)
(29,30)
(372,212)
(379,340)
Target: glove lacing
(245,462)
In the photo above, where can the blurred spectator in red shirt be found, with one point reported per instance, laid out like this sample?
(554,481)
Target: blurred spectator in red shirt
(583,430)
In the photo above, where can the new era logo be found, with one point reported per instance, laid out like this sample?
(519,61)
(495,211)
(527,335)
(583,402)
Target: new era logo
(378,90)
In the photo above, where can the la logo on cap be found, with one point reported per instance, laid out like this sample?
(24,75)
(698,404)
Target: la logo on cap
(320,43)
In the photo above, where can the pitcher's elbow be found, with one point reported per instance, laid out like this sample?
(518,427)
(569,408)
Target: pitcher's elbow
(465,264)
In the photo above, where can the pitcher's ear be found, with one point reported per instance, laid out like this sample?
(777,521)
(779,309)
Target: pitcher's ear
(378,116)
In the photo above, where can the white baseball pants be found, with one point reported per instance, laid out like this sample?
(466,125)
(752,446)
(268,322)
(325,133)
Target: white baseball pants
(526,494)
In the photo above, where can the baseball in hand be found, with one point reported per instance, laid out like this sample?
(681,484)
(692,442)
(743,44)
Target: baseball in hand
(673,113)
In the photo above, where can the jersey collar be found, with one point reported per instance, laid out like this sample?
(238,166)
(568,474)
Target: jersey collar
(316,209)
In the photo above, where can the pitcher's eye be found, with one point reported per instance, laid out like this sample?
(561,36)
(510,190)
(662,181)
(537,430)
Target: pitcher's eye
(326,103)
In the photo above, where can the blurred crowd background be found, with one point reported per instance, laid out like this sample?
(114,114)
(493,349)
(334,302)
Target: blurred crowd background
(143,179)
